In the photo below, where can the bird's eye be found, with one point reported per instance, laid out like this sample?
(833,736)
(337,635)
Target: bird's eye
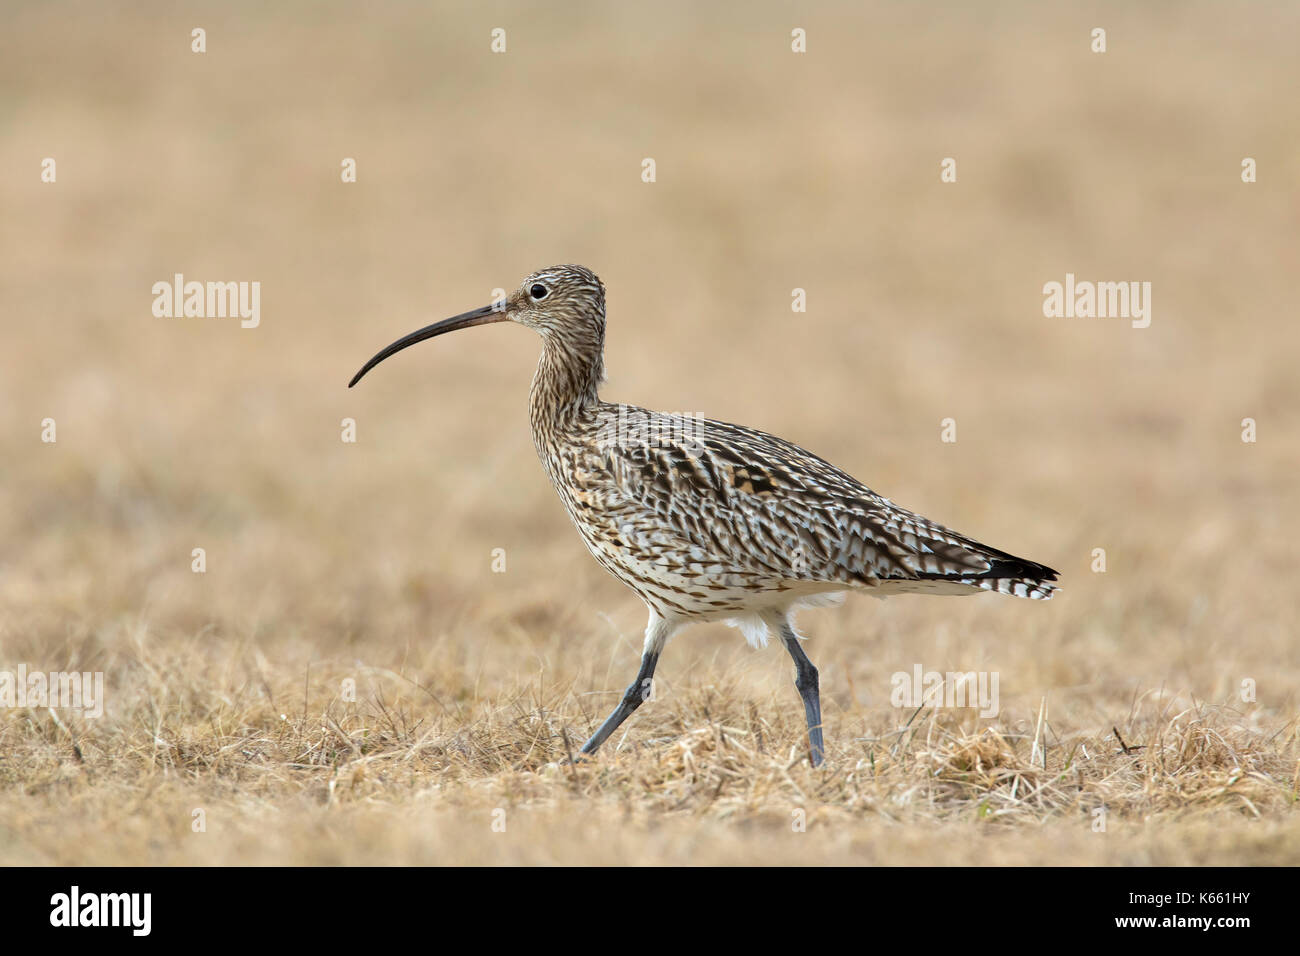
(538,291)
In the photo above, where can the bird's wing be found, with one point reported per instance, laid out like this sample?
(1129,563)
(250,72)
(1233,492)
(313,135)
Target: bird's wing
(763,508)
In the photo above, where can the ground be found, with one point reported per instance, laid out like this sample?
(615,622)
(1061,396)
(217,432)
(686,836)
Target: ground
(395,642)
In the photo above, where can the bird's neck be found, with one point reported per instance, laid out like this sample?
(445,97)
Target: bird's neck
(564,392)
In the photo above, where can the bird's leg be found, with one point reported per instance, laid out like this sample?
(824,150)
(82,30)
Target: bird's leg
(637,692)
(805,679)
(656,635)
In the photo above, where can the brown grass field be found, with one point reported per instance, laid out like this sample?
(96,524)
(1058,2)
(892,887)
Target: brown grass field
(371,561)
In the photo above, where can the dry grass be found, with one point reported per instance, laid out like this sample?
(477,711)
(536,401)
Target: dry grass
(408,776)
(372,562)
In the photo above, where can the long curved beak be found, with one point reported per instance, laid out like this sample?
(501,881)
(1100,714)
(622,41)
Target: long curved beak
(465,320)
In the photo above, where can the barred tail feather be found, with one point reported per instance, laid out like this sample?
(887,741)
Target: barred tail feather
(1017,587)
(1009,575)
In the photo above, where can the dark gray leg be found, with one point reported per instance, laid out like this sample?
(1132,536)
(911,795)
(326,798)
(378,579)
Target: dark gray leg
(657,632)
(805,679)
(636,693)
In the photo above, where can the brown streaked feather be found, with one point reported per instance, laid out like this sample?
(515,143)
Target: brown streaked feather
(707,506)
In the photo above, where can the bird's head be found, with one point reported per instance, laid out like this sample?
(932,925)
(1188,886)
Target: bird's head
(564,304)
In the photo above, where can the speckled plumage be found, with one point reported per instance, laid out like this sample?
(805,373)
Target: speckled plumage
(706,520)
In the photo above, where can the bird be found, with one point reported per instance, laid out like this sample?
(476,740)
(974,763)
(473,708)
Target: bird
(710,521)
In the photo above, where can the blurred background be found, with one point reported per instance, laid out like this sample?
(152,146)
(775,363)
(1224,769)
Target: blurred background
(774,171)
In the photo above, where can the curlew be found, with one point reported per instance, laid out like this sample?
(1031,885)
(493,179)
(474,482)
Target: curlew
(709,521)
